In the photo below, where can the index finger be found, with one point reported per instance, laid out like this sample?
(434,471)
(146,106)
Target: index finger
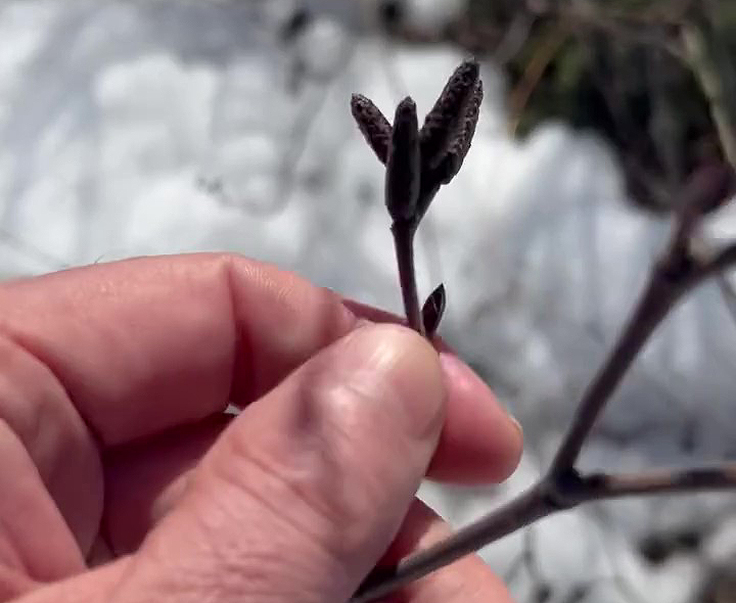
(147,344)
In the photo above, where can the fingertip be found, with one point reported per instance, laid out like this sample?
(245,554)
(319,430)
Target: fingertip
(480,441)
(412,367)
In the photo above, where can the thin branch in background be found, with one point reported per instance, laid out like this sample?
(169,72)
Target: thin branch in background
(649,30)
(709,65)
(517,34)
(542,590)
(535,68)
(625,588)
(526,560)
(514,569)
(304,125)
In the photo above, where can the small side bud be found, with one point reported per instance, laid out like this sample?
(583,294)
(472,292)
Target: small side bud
(433,310)
(372,124)
(403,165)
(449,109)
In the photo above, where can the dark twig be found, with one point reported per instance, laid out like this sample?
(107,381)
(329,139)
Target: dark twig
(522,511)
(403,233)
(417,163)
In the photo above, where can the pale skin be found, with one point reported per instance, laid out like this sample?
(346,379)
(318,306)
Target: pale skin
(122,481)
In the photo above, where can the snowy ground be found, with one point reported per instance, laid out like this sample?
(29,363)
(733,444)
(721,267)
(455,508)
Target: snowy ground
(131,128)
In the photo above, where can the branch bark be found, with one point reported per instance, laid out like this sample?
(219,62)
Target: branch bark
(549,496)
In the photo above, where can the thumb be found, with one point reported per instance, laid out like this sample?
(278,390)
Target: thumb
(305,490)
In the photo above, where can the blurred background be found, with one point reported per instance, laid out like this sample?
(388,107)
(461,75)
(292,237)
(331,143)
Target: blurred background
(165,126)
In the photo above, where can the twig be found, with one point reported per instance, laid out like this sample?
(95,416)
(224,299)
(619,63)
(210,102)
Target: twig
(517,34)
(51,262)
(403,233)
(520,512)
(676,273)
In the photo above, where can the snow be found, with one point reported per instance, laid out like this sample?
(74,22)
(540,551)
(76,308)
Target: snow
(131,128)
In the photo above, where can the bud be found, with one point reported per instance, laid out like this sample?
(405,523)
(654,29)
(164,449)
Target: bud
(403,167)
(372,124)
(433,310)
(461,138)
(451,108)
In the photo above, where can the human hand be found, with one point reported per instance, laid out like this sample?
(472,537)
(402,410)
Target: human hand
(115,448)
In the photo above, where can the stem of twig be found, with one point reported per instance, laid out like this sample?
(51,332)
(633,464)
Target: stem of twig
(403,233)
(550,495)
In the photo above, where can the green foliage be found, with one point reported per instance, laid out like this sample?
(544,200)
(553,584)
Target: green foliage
(614,68)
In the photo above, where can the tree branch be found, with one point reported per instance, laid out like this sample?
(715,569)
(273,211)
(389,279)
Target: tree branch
(550,495)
